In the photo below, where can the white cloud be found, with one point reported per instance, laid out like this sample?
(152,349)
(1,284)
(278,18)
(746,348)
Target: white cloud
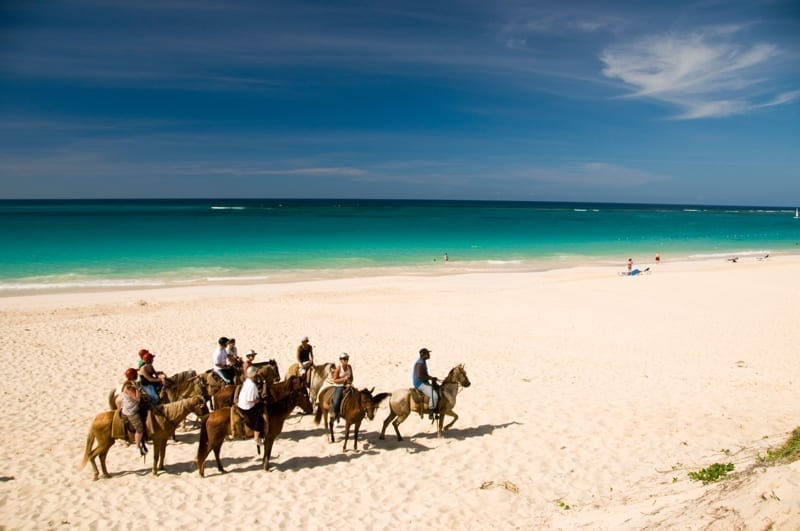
(705,74)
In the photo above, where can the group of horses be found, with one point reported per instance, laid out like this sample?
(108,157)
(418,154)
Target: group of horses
(208,397)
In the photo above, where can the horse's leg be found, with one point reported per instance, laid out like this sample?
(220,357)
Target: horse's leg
(386,422)
(217,450)
(330,426)
(269,440)
(452,414)
(346,434)
(355,434)
(101,452)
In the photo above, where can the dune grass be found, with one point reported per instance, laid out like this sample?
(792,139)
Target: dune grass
(788,453)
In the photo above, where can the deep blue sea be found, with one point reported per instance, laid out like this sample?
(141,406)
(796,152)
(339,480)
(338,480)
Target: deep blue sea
(106,243)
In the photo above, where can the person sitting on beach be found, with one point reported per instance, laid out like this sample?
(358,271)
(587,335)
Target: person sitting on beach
(342,378)
(150,379)
(249,405)
(423,381)
(305,356)
(249,357)
(219,360)
(130,407)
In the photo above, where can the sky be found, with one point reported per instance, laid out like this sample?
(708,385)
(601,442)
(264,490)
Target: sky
(615,101)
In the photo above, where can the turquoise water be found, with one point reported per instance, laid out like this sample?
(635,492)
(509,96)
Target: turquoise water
(64,244)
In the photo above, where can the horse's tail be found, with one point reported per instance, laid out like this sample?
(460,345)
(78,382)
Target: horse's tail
(202,447)
(112,402)
(318,414)
(88,450)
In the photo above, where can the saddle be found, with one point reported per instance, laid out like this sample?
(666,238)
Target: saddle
(121,429)
(421,401)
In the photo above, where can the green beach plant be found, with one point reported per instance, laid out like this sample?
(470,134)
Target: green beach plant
(713,473)
(788,453)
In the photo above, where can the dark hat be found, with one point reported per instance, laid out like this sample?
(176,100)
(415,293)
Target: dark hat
(424,351)
(344,356)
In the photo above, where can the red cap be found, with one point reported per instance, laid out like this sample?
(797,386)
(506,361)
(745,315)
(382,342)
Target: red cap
(148,357)
(131,374)
(143,352)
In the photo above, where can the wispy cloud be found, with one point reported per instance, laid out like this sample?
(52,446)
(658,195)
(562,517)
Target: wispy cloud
(705,74)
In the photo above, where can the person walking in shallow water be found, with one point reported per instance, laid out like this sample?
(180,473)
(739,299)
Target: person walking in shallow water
(630,264)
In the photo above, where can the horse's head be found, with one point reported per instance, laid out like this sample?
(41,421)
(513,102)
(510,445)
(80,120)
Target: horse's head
(198,406)
(459,375)
(301,394)
(201,386)
(370,402)
(274,365)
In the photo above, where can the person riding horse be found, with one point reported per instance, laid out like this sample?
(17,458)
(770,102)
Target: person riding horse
(424,382)
(341,378)
(249,405)
(131,408)
(219,360)
(151,380)
(305,357)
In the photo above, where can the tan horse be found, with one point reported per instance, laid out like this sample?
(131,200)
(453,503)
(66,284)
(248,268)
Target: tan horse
(316,376)
(160,428)
(283,398)
(354,407)
(403,402)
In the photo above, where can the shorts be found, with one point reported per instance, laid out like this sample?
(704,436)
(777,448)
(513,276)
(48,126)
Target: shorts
(135,421)
(253,418)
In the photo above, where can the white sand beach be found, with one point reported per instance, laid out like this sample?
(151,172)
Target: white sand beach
(592,398)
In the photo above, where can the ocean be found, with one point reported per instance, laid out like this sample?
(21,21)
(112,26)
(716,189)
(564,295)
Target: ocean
(78,244)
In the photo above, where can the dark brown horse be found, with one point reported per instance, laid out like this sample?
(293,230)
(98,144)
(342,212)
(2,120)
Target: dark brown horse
(404,401)
(278,401)
(354,407)
(160,427)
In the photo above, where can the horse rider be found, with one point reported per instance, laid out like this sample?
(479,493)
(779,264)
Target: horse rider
(342,378)
(249,405)
(130,407)
(249,358)
(424,382)
(219,360)
(150,379)
(305,356)
(233,353)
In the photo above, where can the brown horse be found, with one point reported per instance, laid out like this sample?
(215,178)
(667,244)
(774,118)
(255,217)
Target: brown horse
(316,376)
(160,427)
(266,370)
(267,373)
(355,405)
(278,402)
(403,402)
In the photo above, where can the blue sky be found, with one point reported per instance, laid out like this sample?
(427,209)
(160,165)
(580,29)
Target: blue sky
(637,101)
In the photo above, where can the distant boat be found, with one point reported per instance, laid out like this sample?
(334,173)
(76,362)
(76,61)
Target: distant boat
(797,213)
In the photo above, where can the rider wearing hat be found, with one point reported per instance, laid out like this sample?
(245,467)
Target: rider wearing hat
(305,356)
(342,378)
(249,405)
(151,380)
(130,407)
(423,381)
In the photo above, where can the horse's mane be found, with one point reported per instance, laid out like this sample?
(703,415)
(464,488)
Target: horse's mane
(181,377)
(450,375)
(178,409)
